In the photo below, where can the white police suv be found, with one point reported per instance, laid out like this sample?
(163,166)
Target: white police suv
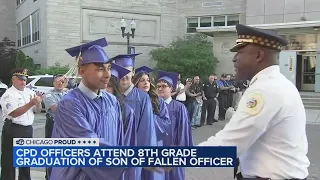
(42,83)
(3,88)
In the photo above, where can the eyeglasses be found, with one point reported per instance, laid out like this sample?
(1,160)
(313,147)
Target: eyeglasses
(162,86)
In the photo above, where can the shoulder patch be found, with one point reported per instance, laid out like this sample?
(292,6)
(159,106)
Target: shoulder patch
(254,103)
(6,98)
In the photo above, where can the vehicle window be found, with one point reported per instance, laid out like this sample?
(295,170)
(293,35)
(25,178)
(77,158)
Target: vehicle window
(29,80)
(45,81)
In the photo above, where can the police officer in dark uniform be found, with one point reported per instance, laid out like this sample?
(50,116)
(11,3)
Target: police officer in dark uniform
(223,96)
(209,93)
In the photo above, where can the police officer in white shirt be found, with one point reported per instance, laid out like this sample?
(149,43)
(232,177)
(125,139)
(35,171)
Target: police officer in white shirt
(18,107)
(269,126)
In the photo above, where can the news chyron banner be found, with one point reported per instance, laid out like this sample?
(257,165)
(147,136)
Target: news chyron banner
(86,152)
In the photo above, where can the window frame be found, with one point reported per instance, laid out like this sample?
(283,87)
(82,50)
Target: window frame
(41,78)
(212,21)
(28,30)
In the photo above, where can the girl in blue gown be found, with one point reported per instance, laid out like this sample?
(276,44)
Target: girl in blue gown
(142,81)
(129,139)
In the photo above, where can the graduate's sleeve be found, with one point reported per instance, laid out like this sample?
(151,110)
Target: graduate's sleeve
(163,120)
(256,109)
(147,125)
(129,127)
(120,123)
(70,122)
(183,128)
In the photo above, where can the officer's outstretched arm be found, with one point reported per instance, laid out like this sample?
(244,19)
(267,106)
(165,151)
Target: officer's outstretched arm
(252,118)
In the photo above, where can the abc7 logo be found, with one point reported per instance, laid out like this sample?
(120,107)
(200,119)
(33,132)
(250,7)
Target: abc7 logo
(20,142)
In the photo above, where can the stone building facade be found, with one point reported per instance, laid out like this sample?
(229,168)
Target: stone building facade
(59,24)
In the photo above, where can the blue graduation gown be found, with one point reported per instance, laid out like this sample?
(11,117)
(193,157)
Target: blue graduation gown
(179,134)
(129,126)
(140,102)
(162,125)
(130,138)
(78,116)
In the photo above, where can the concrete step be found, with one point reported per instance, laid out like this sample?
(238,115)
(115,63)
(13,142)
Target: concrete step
(311,100)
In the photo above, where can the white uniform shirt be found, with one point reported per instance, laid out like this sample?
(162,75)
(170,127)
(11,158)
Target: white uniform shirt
(268,129)
(13,99)
(182,96)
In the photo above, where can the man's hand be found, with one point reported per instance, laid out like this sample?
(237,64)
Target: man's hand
(36,100)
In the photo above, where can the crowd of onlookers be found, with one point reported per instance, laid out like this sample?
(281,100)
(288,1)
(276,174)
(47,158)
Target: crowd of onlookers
(201,97)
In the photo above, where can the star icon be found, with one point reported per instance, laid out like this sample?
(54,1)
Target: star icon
(89,142)
(79,142)
(94,141)
(84,142)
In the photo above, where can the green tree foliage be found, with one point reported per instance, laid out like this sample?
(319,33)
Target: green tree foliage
(190,56)
(56,69)
(23,61)
(7,59)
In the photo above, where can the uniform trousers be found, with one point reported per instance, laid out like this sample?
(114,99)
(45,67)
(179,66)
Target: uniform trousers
(10,131)
(209,108)
(223,103)
(48,134)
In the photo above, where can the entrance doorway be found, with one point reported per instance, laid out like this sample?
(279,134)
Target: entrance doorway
(306,71)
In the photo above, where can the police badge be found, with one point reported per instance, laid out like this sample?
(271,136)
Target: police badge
(254,104)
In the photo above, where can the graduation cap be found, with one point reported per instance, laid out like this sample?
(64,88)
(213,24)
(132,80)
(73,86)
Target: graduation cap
(144,69)
(118,71)
(170,77)
(262,37)
(91,52)
(125,60)
(21,73)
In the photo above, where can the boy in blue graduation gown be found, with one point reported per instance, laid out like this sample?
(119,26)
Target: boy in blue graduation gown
(140,102)
(180,131)
(87,112)
(130,138)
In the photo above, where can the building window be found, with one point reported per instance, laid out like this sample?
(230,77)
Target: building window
(19,2)
(19,34)
(205,21)
(211,21)
(219,21)
(29,30)
(232,20)
(35,26)
(192,24)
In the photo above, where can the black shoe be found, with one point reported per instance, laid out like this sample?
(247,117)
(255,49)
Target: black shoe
(198,126)
(215,120)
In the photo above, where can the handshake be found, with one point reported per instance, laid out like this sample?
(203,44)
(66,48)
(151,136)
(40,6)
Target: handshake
(36,100)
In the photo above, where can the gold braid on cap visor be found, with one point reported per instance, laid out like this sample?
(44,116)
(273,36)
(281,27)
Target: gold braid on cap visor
(23,73)
(258,40)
